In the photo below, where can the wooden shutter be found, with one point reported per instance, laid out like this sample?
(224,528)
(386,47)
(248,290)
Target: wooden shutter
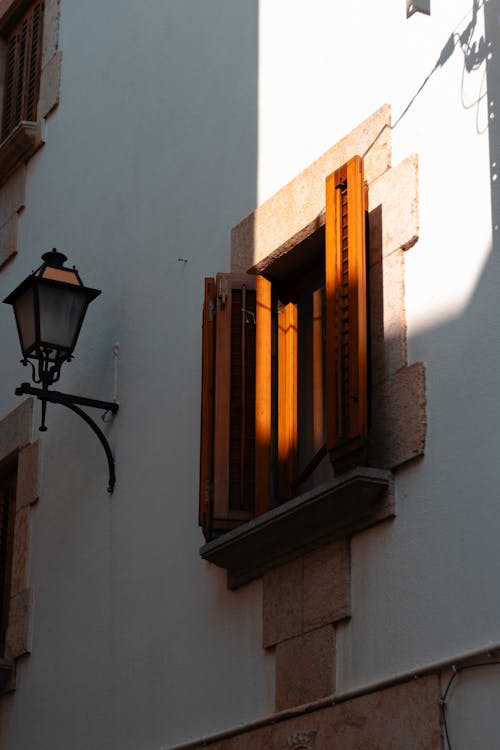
(227,470)
(287,398)
(22,70)
(346,314)
(263,395)
(7,513)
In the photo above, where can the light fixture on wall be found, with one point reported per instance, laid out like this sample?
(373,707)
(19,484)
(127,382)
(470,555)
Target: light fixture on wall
(50,306)
(418,6)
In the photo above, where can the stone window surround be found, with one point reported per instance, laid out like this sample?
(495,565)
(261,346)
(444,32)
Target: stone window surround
(302,549)
(398,420)
(26,138)
(16,431)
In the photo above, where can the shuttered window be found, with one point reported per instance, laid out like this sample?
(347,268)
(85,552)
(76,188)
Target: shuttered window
(7,513)
(285,368)
(22,70)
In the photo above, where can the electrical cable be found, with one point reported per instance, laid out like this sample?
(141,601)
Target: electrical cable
(456,671)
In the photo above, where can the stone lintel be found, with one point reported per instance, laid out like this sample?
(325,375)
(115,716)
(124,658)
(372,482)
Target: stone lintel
(301,201)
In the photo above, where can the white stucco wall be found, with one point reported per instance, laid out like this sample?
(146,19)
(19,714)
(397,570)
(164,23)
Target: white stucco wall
(177,118)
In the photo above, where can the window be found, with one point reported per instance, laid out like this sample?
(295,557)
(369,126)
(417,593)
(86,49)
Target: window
(285,368)
(23,45)
(7,514)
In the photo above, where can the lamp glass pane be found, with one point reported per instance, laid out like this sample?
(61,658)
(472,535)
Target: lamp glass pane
(61,313)
(24,308)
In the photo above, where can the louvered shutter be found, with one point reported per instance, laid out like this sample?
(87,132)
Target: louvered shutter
(263,395)
(7,512)
(227,475)
(346,314)
(22,70)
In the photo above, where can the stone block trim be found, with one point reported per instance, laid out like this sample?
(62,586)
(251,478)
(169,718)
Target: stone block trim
(16,429)
(282,603)
(16,440)
(8,240)
(396,225)
(305,668)
(399,418)
(18,640)
(28,475)
(387,316)
(327,585)
(307,593)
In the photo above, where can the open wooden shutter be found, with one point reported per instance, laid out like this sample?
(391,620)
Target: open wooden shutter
(22,70)
(346,315)
(227,469)
(263,395)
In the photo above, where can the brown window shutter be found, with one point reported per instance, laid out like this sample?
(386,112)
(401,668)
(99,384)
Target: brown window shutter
(263,395)
(346,314)
(7,514)
(227,476)
(22,70)
(287,398)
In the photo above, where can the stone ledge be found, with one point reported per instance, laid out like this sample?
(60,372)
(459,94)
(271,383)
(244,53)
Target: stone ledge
(337,508)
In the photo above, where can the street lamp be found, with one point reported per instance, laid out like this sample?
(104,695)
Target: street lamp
(50,306)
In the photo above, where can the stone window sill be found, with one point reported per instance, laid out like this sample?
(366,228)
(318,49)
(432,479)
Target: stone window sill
(18,147)
(340,507)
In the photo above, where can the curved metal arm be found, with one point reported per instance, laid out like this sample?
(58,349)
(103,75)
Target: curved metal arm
(56,397)
(102,438)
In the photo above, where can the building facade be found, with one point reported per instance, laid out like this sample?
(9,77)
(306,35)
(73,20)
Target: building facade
(158,145)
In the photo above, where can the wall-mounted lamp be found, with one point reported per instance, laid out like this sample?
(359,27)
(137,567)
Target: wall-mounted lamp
(418,6)
(50,306)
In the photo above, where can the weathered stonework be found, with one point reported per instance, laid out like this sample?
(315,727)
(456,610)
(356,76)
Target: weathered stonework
(15,441)
(327,585)
(396,193)
(27,475)
(16,429)
(17,641)
(407,716)
(282,603)
(399,421)
(305,668)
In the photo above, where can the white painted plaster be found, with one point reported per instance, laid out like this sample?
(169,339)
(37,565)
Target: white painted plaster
(152,156)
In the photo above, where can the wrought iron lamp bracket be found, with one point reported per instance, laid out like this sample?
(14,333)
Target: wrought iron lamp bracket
(73,403)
